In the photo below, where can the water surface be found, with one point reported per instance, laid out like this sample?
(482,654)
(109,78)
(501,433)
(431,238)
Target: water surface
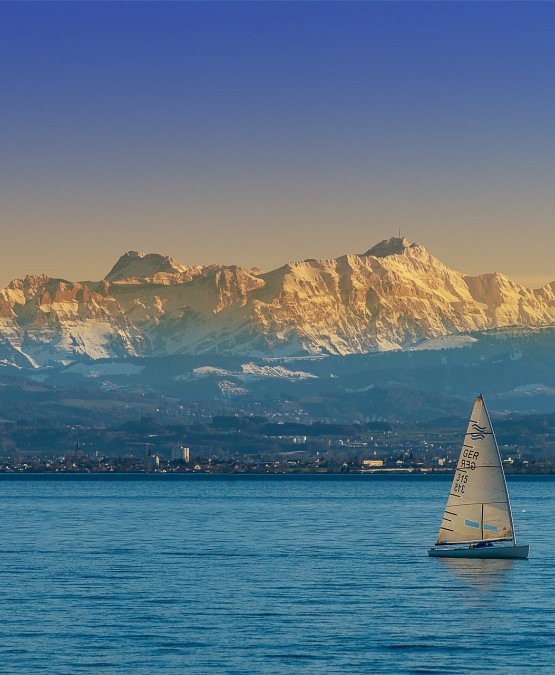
(270,574)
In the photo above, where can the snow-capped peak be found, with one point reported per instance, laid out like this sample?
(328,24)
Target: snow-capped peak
(138,265)
(391,246)
(394,296)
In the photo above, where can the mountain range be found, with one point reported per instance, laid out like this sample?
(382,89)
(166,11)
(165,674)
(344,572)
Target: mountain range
(395,296)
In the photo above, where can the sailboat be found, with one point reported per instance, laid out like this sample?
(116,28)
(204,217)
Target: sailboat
(478,521)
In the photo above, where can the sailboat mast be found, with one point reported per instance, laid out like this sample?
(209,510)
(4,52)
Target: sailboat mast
(502,473)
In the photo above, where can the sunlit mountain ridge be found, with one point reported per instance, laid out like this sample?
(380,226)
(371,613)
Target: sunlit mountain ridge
(396,296)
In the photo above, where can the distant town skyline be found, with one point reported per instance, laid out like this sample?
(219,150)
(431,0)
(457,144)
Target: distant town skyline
(261,133)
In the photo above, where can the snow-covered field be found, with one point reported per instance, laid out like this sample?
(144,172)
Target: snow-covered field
(248,371)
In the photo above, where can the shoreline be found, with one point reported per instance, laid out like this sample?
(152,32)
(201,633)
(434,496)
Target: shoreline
(260,474)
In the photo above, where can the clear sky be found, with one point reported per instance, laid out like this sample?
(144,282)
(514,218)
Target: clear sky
(256,133)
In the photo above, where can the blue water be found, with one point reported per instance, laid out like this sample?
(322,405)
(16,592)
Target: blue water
(281,574)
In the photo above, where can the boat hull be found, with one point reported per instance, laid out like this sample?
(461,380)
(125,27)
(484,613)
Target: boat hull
(521,552)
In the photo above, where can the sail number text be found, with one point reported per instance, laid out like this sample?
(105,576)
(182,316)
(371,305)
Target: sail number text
(466,463)
(468,459)
(460,482)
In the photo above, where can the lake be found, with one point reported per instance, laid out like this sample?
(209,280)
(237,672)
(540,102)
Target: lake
(264,574)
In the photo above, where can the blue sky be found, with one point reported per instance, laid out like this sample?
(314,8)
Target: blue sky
(256,133)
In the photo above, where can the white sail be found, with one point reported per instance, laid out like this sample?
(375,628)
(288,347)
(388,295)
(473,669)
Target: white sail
(478,507)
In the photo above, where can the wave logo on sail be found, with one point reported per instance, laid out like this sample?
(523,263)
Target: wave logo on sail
(479,432)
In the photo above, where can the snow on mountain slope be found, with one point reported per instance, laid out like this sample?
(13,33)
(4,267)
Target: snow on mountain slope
(249,371)
(135,267)
(394,296)
(444,342)
(253,370)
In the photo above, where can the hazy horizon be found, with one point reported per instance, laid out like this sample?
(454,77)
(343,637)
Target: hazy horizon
(261,133)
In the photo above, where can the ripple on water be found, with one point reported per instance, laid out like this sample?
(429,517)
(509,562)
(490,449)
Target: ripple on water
(277,575)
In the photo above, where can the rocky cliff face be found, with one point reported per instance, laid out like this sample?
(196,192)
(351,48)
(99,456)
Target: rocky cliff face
(393,296)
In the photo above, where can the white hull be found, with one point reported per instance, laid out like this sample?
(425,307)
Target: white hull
(521,551)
